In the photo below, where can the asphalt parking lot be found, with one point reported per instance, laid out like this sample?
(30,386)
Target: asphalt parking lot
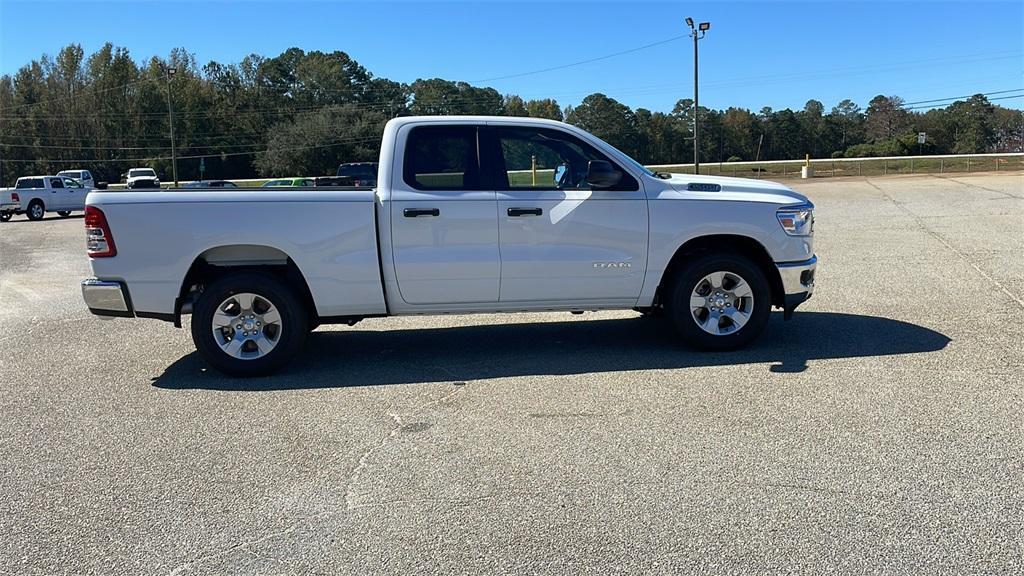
(881,430)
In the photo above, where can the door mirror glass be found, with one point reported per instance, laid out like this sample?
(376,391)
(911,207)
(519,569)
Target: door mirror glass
(601,174)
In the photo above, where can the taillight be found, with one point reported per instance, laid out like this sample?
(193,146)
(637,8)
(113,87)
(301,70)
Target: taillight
(15,197)
(99,241)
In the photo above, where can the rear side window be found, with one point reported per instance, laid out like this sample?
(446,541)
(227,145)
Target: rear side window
(442,158)
(29,183)
(56,183)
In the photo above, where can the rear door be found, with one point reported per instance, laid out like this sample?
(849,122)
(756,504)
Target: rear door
(444,227)
(563,241)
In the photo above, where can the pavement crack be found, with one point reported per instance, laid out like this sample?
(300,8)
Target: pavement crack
(350,494)
(975,186)
(242,546)
(920,223)
(364,459)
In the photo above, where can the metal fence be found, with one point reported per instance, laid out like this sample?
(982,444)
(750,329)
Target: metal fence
(879,166)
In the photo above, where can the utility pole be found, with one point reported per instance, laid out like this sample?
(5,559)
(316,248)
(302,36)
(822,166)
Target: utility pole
(168,72)
(696,33)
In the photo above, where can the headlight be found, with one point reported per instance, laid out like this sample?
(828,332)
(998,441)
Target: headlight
(797,220)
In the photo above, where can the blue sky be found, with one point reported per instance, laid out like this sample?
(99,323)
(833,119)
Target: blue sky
(777,54)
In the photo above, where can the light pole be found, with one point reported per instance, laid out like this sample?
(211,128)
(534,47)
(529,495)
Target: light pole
(696,33)
(170,116)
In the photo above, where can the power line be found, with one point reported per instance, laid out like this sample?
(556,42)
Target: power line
(197,156)
(581,62)
(940,105)
(968,96)
(89,91)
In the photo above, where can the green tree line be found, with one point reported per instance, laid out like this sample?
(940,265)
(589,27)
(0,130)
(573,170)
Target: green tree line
(302,113)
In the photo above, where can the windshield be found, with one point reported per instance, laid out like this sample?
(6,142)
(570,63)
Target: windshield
(141,172)
(638,165)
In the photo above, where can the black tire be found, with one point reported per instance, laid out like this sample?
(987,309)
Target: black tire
(63,213)
(294,321)
(6,216)
(36,210)
(690,277)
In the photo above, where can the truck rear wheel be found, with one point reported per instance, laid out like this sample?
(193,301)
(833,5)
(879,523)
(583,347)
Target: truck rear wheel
(720,302)
(36,210)
(248,324)
(63,213)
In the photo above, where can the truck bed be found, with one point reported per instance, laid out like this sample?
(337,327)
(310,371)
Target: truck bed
(329,234)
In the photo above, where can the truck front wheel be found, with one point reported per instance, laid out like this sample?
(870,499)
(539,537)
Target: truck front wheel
(720,302)
(248,324)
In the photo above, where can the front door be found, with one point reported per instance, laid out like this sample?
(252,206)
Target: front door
(58,199)
(444,224)
(561,239)
(75,195)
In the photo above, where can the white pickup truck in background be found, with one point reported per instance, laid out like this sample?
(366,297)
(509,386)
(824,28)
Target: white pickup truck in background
(34,196)
(471,214)
(141,178)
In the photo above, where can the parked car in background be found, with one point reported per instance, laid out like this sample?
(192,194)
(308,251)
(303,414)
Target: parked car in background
(83,176)
(453,228)
(37,195)
(364,173)
(334,181)
(210,184)
(288,182)
(142,178)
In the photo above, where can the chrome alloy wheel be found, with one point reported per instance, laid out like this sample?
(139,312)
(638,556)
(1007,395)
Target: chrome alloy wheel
(246,326)
(37,211)
(721,303)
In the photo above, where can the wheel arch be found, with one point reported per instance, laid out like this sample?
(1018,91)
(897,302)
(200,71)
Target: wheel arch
(724,243)
(216,262)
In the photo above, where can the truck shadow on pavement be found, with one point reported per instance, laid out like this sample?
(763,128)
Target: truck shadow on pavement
(342,358)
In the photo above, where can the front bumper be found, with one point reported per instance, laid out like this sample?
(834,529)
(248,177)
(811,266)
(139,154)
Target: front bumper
(107,298)
(797,283)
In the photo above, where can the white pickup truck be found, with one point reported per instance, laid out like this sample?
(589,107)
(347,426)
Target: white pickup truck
(471,214)
(34,196)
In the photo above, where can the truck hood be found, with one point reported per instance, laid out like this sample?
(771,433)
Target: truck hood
(739,189)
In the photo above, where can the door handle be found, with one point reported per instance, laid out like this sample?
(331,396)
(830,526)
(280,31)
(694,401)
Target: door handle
(517,212)
(417,212)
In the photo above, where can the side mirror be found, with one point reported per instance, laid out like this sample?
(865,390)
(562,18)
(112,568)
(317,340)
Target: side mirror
(560,174)
(601,174)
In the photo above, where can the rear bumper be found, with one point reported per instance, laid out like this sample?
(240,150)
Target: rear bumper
(107,298)
(797,283)
(10,207)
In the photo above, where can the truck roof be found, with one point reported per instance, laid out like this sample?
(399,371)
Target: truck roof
(518,120)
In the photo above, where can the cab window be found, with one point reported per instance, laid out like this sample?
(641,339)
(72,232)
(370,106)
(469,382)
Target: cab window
(442,158)
(56,183)
(548,159)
